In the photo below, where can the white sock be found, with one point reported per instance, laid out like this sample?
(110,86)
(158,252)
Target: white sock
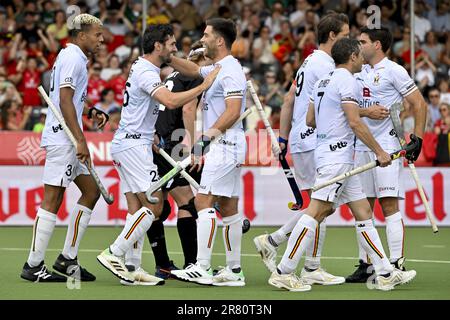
(395,233)
(300,239)
(135,228)
(206,233)
(362,254)
(133,257)
(78,221)
(42,232)
(370,241)
(281,235)
(232,238)
(314,251)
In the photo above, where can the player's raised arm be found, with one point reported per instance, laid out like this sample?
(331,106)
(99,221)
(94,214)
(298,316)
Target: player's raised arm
(185,67)
(174,100)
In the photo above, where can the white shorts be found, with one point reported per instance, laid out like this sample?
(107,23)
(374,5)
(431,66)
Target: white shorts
(380,182)
(62,166)
(305,169)
(136,169)
(342,192)
(222,170)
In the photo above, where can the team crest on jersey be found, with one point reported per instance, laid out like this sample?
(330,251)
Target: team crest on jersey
(376,79)
(366,92)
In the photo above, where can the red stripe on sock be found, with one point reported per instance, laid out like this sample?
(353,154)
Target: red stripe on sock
(371,244)
(34,232)
(211,234)
(403,238)
(136,223)
(75,231)
(316,241)
(227,237)
(297,243)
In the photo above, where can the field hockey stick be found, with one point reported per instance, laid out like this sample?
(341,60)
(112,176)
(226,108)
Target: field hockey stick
(277,152)
(395,118)
(395,155)
(173,163)
(183,172)
(109,198)
(184,163)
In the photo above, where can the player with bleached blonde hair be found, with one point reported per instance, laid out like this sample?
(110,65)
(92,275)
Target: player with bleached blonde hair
(64,163)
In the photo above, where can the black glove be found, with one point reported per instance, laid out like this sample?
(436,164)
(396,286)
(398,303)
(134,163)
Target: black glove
(201,147)
(413,148)
(284,151)
(97,113)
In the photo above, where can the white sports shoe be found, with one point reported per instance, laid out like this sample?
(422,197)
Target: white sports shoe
(143,278)
(114,264)
(227,278)
(397,277)
(320,276)
(289,282)
(194,273)
(267,251)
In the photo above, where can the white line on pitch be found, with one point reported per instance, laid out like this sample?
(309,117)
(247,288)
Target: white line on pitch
(222,254)
(434,246)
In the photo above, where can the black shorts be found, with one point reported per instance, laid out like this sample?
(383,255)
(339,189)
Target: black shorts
(164,167)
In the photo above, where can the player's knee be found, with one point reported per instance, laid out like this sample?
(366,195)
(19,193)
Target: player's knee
(190,207)
(165,211)
(389,206)
(52,200)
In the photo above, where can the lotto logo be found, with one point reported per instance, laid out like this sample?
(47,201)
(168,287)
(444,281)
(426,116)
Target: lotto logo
(366,92)
(68,80)
(308,132)
(339,145)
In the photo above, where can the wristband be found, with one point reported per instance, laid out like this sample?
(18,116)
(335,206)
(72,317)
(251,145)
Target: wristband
(282,140)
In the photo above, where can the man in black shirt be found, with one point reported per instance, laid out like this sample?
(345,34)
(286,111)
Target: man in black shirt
(175,130)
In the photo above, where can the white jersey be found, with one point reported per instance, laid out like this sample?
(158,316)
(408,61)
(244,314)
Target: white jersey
(335,138)
(140,110)
(69,70)
(229,84)
(385,84)
(303,138)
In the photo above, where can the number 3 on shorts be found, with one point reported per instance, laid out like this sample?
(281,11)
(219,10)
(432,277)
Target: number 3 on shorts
(69,170)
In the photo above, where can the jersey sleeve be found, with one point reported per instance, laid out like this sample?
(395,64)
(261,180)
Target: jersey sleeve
(348,90)
(402,81)
(70,72)
(205,70)
(233,87)
(150,82)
